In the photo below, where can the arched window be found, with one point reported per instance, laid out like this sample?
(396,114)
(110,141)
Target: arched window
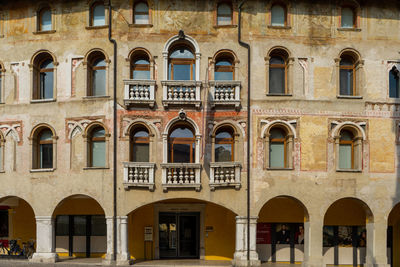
(347,75)
(278,15)
(224,68)
(394,86)
(96,74)
(348,17)
(224,14)
(182,63)
(278,148)
(44,19)
(97,14)
(224,145)
(44,149)
(278,72)
(97,147)
(43,77)
(140,66)
(181,144)
(141,13)
(139,140)
(346,150)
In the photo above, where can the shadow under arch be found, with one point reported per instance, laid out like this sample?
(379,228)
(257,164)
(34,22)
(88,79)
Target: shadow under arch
(280,229)
(17,220)
(210,226)
(345,231)
(80,227)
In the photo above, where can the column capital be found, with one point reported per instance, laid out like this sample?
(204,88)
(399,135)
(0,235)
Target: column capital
(44,218)
(243,219)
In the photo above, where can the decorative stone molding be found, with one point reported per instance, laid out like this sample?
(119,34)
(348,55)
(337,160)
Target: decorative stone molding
(14,129)
(76,126)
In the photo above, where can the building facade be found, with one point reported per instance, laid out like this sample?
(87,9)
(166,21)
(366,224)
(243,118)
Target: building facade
(125,130)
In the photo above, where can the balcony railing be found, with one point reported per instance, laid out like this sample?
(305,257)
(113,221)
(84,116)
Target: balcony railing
(225,93)
(181,93)
(225,174)
(181,175)
(139,174)
(139,92)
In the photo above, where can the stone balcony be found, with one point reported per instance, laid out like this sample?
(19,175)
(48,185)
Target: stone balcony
(181,93)
(181,175)
(139,92)
(139,174)
(225,93)
(225,174)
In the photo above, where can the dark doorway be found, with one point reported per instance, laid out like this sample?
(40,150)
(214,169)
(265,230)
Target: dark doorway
(179,234)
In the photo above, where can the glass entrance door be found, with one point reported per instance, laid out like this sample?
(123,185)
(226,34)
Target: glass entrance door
(179,235)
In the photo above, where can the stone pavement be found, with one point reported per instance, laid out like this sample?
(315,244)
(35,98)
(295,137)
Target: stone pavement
(81,262)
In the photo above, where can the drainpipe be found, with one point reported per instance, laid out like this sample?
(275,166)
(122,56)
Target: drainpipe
(115,132)
(247,46)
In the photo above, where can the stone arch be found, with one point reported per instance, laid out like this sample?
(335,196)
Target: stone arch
(226,51)
(238,129)
(178,119)
(351,52)
(62,199)
(368,212)
(354,127)
(179,37)
(40,53)
(140,50)
(149,125)
(40,127)
(280,123)
(279,48)
(297,198)
(94,51)
(94,124)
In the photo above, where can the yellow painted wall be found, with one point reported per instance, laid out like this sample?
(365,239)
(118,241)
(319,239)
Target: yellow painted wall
(313,143)
(345,212)
(282,209)
(23,224)
(394,220)
(381,145)
(137,220)
(220,244)
(79,206)
(323,85)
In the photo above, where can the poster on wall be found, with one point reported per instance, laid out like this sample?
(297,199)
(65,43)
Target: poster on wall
(344,236)
(299,234)
(263,233)
(282,233)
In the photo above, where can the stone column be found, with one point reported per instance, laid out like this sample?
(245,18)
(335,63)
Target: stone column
(376,243)
(45,240)
(123,252)
(110,240)
(313,231)
(240,256)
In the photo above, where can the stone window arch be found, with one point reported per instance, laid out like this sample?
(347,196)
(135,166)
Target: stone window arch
(43,141)
(278,14)
(279,72)
(394,85)
(226,138)
(224,13)
(139,143)
(141,64)
(97,14)
(141,13)
(279,143)
(44,18)
(43,69)
(225,68)
(348,148)
(350,74)
(349,15)
(96,138)
(96,66)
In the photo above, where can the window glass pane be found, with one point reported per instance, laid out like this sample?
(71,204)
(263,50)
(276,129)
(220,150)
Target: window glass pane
(181,153)
(142,8)
(79,225)
(345,156)
(346,82)
(222,20)
(98,132)
(223,134)
(277,15)
(141,74)
(99,15)
(276,60)
(3,223)
(181,72)
(99,82)
(277,133)
(223,76)
(98,154)
(182,52)
(277,80)
(223,152)
(45,23)
(46,135)
(141,19)
(277,155)
(62,225)
(223,63)
(140,152)
(46,156)
(347,18)
(182,132)
(98,225)
(393,84)
(141,133)
(346,135)
(224,9)
(99,63)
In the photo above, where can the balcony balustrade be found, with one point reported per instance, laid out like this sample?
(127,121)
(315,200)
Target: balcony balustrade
(139,92)
(181,93)
(225,93)
(181,175)
(225,174)
(139,174)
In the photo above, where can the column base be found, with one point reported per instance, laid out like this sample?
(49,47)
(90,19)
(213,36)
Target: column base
(108,259)
(42,257)
(240,259)
(376,265)
(123,259)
